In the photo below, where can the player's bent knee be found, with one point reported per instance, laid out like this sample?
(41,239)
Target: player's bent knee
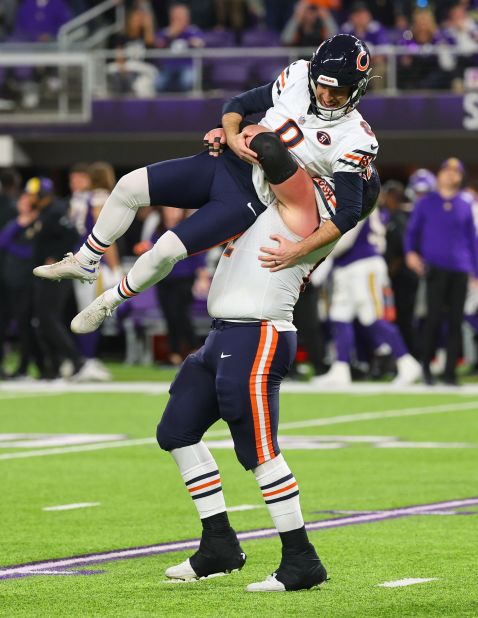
(276,161)
(169,249)
(167,439)
(132,189)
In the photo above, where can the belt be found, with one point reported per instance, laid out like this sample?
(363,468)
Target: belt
(222,324)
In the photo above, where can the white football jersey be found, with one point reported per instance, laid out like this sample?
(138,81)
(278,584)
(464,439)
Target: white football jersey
(321,147)
(243,290)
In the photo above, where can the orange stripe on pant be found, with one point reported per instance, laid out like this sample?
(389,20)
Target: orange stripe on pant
(191,489)
(265,397)
(253,393)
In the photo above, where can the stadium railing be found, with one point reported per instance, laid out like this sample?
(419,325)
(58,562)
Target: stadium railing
(47,86)
(93,27)
(79,77)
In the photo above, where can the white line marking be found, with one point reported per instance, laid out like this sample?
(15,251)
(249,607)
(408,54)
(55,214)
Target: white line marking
(317,422)
(243,536)
(408,581)
(245,507)
(70,507)
(77,449)
(36,388)
(37,440)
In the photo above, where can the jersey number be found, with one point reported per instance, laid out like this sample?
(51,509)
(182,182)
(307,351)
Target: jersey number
(290,134)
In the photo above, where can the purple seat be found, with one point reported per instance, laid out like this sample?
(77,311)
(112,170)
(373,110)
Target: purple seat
(269,69)
(219,38)
(260,37)
(229,73)
(140,309)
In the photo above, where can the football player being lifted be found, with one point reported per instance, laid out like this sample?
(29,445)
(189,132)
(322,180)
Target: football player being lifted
(310,128)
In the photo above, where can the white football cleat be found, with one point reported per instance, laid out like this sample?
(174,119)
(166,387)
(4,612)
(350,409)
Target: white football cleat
(338,375)
(183,571)
(91,372)
(92,317)
(68,268)
(409,371)
(270,584)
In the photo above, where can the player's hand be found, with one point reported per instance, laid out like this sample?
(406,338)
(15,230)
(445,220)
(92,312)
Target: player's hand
(214,141)
(251,131)
(238,145)
(415,263)
(285,255)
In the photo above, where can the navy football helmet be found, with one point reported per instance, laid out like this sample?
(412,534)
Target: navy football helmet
(342,60)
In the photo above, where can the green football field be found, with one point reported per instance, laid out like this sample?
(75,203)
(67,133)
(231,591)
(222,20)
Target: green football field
(389,486)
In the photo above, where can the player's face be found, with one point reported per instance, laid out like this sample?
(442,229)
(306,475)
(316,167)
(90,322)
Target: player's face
(450,178)
(332,97)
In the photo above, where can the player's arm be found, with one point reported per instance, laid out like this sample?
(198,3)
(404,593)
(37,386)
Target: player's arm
(257,100)
(348,194)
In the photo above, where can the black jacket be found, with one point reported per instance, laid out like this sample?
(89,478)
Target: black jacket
(54,233)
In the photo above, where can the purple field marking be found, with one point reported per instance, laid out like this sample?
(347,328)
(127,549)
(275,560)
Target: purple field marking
(59,566)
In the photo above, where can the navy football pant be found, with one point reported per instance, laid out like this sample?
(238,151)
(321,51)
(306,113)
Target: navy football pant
(235,376)
(221,188)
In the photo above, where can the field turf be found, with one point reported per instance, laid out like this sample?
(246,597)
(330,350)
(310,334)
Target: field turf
(354,456)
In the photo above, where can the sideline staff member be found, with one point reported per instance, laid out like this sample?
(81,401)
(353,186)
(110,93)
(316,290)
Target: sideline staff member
(441,245)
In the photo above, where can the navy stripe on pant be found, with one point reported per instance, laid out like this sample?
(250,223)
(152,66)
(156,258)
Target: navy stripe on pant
(223,194)
(235,376)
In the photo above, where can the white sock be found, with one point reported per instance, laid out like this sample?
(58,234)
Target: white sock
(281,493)
(130,193)
(201,476)
(148,269)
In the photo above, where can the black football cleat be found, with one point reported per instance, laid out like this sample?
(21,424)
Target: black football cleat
(218,554)
(297,571)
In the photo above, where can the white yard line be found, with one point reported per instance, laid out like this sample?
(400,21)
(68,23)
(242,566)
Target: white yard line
(408,581)
(36,388)
(70,507)
(317,422)
(76,449)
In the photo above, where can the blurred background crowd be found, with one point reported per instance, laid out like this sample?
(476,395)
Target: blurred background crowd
(416,45)
(423,231)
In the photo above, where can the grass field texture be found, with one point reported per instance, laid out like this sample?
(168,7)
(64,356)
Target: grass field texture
(354,456)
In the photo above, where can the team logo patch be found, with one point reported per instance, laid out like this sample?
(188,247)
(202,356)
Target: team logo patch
(323,138)
(363,61)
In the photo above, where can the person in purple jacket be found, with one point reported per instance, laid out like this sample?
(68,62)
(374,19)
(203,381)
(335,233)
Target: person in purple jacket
(40,20)
(361,24)
(178,36)
(422,70)
(441,246)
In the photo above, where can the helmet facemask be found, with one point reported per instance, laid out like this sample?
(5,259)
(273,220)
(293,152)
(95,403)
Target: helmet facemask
(328,114)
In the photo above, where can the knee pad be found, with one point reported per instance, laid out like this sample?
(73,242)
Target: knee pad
(132,189)
(277,162)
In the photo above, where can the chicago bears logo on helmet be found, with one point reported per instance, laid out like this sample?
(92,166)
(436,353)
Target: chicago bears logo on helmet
(323,138)
(363,61)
